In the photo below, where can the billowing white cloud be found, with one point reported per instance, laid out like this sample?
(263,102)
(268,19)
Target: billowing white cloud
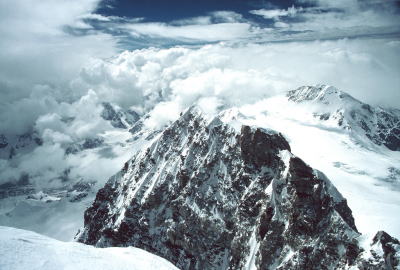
(39,56)
(240,74)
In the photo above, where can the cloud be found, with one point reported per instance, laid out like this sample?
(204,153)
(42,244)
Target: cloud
(226,16)
(210,32)
(96,17)
(34,42)
(201,20)
(86,120)
(274,13)
(281,25)
(170,80)
(162,114)
(305,20)
(328,19)
(216,26)
(39,56)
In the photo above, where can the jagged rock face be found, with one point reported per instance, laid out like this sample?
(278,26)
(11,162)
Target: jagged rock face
(381,126)
(118,117)
(205,196)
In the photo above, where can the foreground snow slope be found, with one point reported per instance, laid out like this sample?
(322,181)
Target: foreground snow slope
(23,250)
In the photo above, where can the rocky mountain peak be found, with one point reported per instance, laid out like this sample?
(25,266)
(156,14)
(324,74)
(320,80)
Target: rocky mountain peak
(205,195)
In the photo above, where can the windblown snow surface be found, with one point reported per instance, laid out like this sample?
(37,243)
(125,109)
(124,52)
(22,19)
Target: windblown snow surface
(21,250)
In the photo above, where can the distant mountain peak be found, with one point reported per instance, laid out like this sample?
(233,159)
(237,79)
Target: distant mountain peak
(331,105)
(325,94)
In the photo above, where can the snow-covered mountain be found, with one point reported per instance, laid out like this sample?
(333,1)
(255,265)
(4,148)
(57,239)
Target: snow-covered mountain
(212,192)
(226,189)
(335,107)
(21,250)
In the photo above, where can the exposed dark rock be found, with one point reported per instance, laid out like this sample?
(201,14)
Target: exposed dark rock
(260,147)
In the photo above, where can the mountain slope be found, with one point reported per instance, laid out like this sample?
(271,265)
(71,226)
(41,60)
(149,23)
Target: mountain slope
(21,250)
(209,195)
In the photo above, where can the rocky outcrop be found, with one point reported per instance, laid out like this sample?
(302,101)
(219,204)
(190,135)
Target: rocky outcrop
(207,196)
